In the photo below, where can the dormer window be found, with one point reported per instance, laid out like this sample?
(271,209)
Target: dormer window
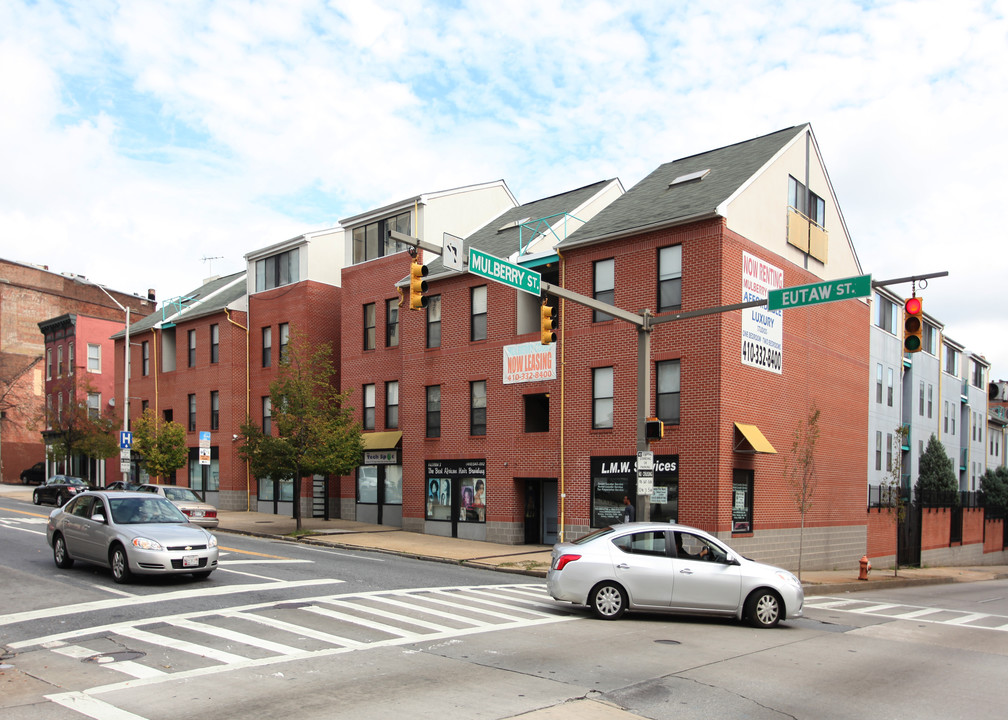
(278,270)
(369,241)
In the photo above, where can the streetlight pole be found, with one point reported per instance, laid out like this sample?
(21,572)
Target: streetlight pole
(126,374)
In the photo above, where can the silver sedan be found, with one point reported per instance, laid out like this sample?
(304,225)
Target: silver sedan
(130,533)
(199,512)
(673,568)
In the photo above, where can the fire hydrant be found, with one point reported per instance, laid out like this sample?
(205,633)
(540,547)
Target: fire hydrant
(865,568)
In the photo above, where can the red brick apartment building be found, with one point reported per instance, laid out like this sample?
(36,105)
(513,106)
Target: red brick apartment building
(475,449)
(29,295)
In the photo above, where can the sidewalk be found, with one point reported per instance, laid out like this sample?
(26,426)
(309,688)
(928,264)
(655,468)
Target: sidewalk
(534,560)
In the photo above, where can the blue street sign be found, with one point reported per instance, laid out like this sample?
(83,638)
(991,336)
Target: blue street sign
(125,440)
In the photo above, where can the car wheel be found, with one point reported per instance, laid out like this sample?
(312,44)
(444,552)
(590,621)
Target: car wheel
(119,564)
(202,574)
(608,601)
(764,608)
(62,499)
(36,498)
(60,554)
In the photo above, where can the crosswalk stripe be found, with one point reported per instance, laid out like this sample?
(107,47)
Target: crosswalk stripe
(236,637)
(374,625)
(295,629)
(181,645)
(399,617)
(478,591)
(431,611)
(468,607)
(966,618)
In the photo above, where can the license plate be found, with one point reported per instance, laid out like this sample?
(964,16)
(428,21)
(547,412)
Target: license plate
(198,513)
(190,561)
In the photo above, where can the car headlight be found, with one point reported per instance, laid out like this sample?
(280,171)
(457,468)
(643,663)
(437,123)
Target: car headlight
(212,542)
(788,577)
(147,544)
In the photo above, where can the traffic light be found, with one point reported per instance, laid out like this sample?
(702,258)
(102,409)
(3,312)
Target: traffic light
(548,323)
(913,325)
(654,429)
(418,286)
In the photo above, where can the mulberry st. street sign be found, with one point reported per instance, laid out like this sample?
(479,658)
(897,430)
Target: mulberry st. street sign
(816,293)
(493,268)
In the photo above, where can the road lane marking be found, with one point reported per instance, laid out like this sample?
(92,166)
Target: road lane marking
(236,636)
(962,618)
(180,645)
(92,707)
(201,592)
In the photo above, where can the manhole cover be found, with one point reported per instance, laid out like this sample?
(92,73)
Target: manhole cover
(104,659)
(667,642)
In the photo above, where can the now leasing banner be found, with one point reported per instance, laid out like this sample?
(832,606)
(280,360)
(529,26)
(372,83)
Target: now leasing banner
(528,362)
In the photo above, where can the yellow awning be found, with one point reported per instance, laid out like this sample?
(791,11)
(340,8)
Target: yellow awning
(749,439)
(381,440)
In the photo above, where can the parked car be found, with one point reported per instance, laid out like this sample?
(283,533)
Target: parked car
(35,475)
(672,568)
(130,533)
(58,489)
(198,512)
(120,485)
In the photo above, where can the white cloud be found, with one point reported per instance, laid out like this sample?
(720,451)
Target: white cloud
(149,135)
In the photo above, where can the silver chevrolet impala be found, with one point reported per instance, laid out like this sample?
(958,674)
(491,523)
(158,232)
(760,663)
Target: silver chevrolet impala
(130,532)
(672,568)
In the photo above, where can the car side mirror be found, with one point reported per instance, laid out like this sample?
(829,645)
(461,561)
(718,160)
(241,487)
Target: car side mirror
(731,560)
(98,517)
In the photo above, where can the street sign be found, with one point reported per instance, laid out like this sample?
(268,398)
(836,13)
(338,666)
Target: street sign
(453,257)
(204,456)
(816,293)
(645,472)
(204,438)
(125,439)
(493,268)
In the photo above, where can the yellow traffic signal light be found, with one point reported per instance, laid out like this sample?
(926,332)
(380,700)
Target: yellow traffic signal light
(547,324)
(418,286)
(913,325)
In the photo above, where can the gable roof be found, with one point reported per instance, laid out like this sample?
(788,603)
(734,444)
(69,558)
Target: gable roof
(503,236)
(211,297)
(656,202)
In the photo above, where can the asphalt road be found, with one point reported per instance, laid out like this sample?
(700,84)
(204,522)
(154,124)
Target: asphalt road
(286,629)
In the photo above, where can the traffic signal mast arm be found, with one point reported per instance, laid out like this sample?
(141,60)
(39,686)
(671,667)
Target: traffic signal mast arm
(415,242)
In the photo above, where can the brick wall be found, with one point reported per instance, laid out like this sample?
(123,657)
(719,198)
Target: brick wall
(881,546)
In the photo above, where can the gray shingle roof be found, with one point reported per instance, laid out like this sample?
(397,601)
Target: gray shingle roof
(209,298)
(653,203)
(501,243)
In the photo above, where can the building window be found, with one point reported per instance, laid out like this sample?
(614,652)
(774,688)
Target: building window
(878,450)
(951,361)
(145,357)
(391,323)
(94,358)
(434,321)
(477,407)
(930,402)
(670,278)
(921,403)
(806,202)
(48,363)
(888,454)
(604,286)
(267,347)
(878,383)
(392,404)
(885,314)
(214,343)
(192,348)
(70,359)
(537,413)
(668,391)
(369,326)
(370,241)
(478,321)
(368,417)
(433,421)
(742,501)
(929,339)
(94,405)
(945,423)
(602,398)
(889,387)
(267,414)
(284,340)
(214,410)
(59,361)
(277,270)
(978,375)
(192,413)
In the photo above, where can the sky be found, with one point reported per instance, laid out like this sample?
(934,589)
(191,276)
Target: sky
(153,143)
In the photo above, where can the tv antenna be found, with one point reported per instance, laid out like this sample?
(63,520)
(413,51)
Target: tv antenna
(211,259)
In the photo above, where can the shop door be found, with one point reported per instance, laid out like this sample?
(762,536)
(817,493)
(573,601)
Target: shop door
(541,511)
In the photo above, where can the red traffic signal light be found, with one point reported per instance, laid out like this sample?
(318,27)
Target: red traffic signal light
(418,286)
(913,325)
(547,323)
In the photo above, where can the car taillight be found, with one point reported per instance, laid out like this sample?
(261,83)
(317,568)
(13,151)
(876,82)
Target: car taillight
(564,559)
(211,513)
(186,511)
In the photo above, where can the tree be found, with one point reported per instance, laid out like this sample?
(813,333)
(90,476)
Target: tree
(801,470)
(313,431)
(994,484)
(160,444)
(936,475)
(75,428)
(891,490)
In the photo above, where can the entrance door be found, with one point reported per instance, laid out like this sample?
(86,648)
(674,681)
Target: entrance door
(541,511)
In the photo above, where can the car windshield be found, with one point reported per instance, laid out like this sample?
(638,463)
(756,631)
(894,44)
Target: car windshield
(601,532)
(133,511)
(73,481)
(181,494)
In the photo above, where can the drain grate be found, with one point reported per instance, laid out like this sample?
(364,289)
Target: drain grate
(105,658)
(668,642)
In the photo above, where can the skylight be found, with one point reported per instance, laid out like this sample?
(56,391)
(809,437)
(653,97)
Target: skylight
(689,177)
(510,225)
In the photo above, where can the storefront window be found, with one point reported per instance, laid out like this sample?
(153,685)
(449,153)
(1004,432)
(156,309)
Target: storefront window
(615,476)
(742,501)
(439,498)
(456,490)
(367,484)
(393,484)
